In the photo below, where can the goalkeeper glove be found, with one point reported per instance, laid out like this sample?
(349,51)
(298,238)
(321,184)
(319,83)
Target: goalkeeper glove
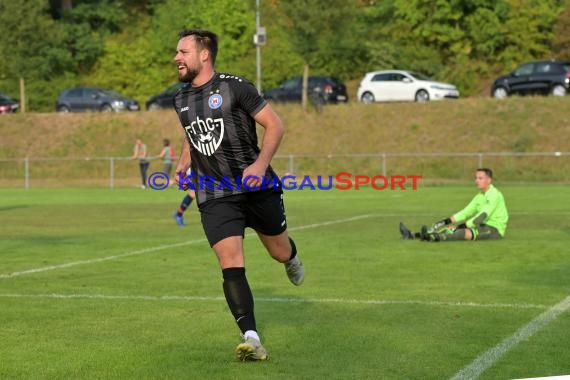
(442,223)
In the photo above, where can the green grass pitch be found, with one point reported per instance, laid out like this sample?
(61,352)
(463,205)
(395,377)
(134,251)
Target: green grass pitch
(101,284)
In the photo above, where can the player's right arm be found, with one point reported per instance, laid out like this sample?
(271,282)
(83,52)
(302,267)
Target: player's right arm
(466,213)
(469,211)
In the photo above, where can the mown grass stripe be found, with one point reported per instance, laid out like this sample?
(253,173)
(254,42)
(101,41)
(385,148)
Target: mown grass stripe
(281,299)
(160,248)
(491,356)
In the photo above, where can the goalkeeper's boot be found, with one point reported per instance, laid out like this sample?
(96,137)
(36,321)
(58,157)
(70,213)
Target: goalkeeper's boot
(295,271)
(424,235)
(251,350)
(405,232)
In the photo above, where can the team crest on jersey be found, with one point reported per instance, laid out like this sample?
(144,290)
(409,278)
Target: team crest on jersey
(206,134)
(215,101)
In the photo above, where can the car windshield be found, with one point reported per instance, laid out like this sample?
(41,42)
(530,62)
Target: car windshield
(172,89)
(5,98)
(566,67)
(111,93)
(419,76)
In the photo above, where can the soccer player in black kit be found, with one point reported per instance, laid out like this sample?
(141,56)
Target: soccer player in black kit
(234,183)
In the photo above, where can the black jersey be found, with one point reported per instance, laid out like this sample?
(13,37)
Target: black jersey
(218,120)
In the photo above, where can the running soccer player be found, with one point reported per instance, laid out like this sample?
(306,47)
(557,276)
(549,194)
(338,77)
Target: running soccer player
(485,217)
(186,201)
(218,113)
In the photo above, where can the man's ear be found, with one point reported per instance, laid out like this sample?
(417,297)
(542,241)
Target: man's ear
(204,55)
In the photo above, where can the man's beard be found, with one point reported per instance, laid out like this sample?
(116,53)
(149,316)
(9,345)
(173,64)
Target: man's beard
(189,76)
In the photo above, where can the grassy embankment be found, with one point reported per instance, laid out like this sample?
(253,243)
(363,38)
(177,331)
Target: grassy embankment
(520,125)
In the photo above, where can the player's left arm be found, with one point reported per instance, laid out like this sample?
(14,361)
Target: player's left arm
(492,202)
(271,122)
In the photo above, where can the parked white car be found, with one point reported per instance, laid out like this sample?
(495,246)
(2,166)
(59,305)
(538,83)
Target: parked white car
(400,85)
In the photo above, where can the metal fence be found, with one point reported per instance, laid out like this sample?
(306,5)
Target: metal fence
(523,167)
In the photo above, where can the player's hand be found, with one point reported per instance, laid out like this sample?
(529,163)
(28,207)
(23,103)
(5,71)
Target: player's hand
(254,175)
(442,223)
(180,173)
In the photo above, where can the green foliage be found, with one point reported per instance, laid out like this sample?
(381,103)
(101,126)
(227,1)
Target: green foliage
(458,41)
(129,45)
(279,61)
(528,30)
(31,47)
(140,62)
(325,37)
(87,26)
(50,53)
(561,42)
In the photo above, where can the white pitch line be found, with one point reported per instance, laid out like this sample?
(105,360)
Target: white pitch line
(159,248)
(490,357)
(93,261)
(279,299)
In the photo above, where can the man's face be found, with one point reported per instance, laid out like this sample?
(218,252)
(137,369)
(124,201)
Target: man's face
(188,59)
(482,180)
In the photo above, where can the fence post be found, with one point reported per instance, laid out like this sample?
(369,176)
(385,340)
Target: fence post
(291,164)
(26,173)
(384,164)
(112,172)
(480,160)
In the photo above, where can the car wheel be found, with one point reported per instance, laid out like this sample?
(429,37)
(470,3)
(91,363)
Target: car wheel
(63,109)
(106,108)
(367,98)
(153,107)
(558,90)
(500,93)
(422,96)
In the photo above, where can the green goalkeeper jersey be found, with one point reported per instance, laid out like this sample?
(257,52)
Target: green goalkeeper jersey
(492,204)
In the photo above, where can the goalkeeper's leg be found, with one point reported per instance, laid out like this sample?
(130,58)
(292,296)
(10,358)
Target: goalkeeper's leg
(485,232)
(449,233)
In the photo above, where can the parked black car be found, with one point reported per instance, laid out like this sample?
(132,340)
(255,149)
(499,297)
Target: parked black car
(82,99)
(164,99)
(7,104)
(534,78)
(323,88)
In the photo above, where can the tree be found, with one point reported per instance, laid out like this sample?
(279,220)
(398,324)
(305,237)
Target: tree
(561,42)
(34,53)
(319,34)
(459,41)
(140,60)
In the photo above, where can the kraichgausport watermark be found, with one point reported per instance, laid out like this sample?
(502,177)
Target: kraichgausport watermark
(339,181)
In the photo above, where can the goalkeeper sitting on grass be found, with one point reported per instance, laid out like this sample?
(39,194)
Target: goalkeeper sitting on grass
(485,217)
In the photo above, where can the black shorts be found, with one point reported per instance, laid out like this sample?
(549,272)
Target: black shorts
(229,216)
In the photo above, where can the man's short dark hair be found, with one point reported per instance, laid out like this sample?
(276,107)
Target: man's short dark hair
(204,39)
(487,171)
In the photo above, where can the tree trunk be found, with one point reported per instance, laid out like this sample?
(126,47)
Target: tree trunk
(304,97)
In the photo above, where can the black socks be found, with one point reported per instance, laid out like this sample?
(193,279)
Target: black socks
(293,249)
(239,298)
